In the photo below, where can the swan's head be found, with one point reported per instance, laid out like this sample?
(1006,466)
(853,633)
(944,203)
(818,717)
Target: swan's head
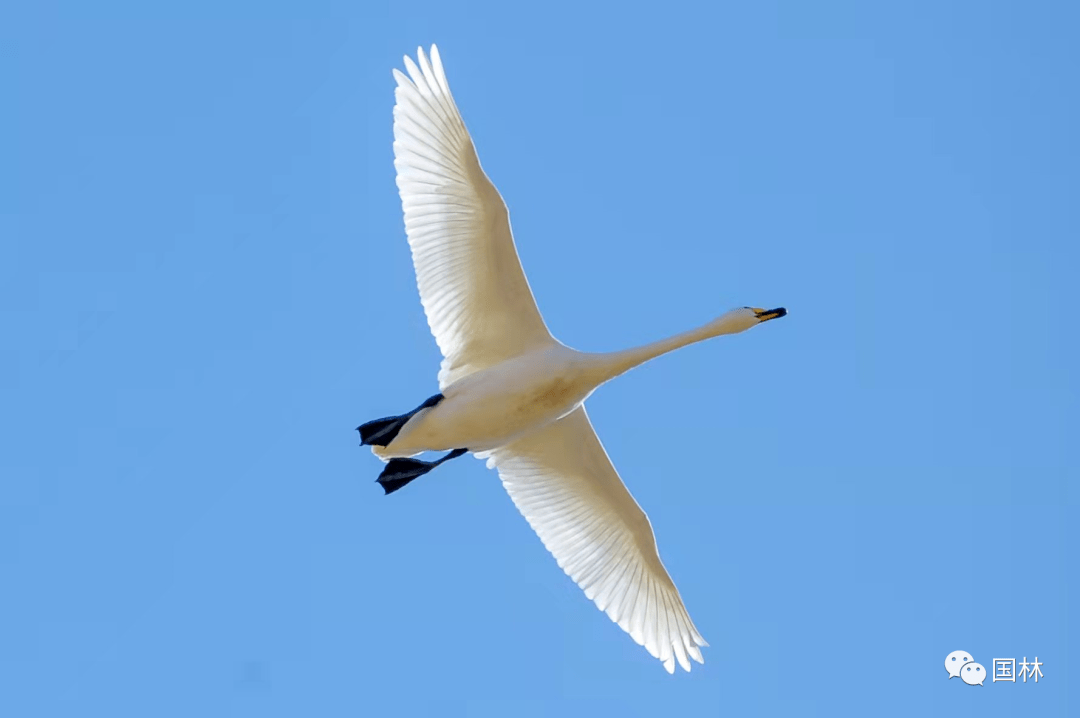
(741,319)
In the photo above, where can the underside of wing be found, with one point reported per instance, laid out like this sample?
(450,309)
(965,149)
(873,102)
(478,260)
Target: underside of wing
(478,303)
(563,482)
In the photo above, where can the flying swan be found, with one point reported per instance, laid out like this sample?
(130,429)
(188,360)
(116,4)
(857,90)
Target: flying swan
(511,392)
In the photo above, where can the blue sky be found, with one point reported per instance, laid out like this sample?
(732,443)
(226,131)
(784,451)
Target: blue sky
(205,286)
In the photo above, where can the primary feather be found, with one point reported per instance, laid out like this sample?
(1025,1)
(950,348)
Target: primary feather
(477,300)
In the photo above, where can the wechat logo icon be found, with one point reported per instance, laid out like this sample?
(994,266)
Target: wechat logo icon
(960,663)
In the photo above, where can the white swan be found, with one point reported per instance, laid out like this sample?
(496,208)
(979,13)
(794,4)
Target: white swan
(511,392)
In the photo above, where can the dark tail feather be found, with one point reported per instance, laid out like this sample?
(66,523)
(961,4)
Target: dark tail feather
(381,431)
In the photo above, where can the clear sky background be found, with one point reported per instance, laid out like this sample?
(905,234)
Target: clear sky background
(205,286)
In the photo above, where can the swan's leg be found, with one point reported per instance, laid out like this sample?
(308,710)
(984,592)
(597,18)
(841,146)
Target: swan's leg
(382,431)
(399,472)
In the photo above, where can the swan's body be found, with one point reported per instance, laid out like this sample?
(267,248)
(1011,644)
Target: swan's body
(510,392)
(496,405)
(493,406)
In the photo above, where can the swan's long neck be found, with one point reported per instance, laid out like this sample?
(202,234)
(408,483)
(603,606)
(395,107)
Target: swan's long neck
(616,363)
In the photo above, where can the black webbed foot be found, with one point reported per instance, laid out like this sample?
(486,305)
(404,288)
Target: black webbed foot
(381,432)
(399,472)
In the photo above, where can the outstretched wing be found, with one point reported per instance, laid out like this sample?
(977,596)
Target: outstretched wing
(563,482)
(477,300)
